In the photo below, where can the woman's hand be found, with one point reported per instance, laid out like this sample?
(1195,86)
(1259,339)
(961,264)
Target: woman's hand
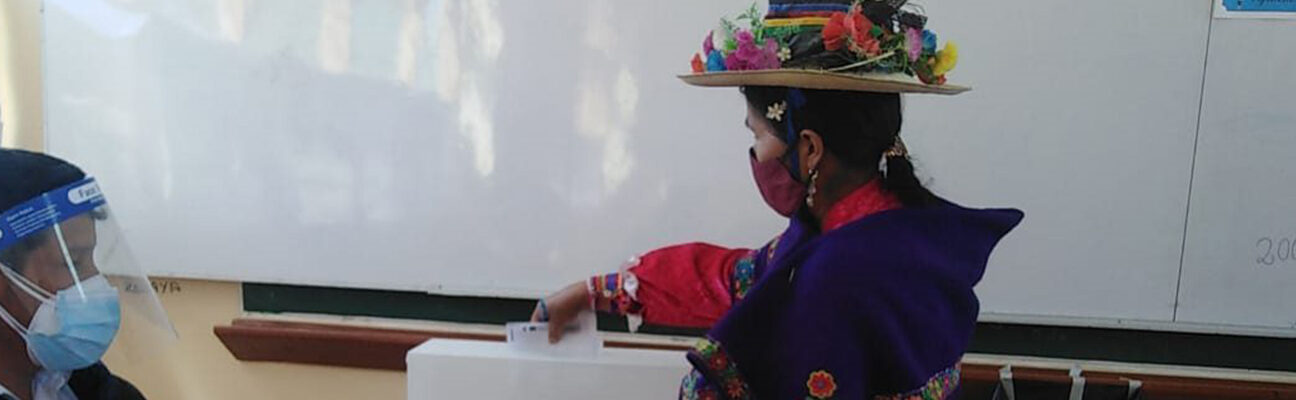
(562,308)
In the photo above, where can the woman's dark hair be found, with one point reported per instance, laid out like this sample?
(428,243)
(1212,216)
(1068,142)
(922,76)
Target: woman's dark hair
(857,128)
(23,176)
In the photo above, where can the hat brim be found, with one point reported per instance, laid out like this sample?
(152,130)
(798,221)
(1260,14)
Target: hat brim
(816,79)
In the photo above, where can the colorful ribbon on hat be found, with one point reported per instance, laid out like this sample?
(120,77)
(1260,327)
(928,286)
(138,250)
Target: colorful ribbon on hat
(785,10)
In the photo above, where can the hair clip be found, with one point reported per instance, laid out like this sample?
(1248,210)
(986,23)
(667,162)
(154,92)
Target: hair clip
(897,149)
(776,110)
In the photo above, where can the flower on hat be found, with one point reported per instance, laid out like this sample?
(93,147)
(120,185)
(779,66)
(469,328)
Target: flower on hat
(946,59)
(715,61)
(854,31)
(913,43)
(708,44)
(770,55)
(750,55)
(834,32)
(861,40)
(928,41)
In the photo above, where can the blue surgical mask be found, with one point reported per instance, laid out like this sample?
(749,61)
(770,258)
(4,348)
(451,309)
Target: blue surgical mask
(72,329)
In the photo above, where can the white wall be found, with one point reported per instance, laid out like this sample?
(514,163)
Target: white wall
(20,74)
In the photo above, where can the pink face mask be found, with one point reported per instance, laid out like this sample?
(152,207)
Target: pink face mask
(776,185)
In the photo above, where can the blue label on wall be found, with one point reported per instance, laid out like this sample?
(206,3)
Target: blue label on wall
(50,208)
(1260,5)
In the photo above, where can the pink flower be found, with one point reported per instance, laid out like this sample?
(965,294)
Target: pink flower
(750,56)
(744,36)
(708,45)
(769,55)
(914,43)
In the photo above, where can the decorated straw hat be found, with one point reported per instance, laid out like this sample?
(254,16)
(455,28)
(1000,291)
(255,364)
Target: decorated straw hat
(859,45)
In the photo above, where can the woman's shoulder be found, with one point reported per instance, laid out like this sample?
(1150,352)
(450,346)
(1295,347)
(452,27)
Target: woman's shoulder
(944,213)
(941,241)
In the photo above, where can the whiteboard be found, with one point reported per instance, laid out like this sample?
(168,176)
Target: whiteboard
(1238,263)
(505,148)
(1084,118)
(453,147)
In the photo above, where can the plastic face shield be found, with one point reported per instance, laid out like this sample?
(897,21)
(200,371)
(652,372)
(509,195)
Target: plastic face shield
(57,246)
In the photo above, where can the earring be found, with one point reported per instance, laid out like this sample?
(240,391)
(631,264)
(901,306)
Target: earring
(814,183)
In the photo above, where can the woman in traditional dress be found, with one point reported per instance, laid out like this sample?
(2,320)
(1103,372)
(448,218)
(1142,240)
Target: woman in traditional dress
(868,293)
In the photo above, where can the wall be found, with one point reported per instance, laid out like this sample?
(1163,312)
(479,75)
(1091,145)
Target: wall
(20,74)
(197,366)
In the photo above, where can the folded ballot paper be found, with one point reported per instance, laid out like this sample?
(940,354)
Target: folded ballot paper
(581,339)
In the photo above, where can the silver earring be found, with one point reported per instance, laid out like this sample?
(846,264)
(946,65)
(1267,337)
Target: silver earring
(814,182)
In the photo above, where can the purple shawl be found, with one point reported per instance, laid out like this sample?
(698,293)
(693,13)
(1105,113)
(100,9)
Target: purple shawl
(882,307)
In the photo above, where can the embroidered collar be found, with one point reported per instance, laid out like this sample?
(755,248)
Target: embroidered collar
(865,200)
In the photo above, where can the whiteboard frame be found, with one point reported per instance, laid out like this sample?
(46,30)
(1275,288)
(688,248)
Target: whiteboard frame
(1144,325)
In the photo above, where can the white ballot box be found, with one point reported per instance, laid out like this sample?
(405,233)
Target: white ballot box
(463,369)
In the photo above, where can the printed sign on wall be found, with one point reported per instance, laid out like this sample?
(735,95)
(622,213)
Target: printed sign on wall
(1275,9)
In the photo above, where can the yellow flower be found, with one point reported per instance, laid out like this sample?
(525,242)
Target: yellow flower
(945,59)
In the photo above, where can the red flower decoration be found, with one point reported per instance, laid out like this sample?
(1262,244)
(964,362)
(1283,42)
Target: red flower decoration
(860,30)
(719,362)
(698,66)
(857,26)
(854,27)
(735,389)
(834,32)
(821,384)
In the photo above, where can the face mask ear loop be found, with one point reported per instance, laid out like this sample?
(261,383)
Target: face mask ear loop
(4,314)
(67,259)
(13,323)
(32,289)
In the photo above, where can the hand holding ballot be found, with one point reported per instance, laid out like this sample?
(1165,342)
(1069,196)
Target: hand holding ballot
(561,308)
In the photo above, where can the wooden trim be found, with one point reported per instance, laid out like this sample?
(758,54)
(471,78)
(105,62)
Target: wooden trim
(983,379)
(348,346)
(382,348)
